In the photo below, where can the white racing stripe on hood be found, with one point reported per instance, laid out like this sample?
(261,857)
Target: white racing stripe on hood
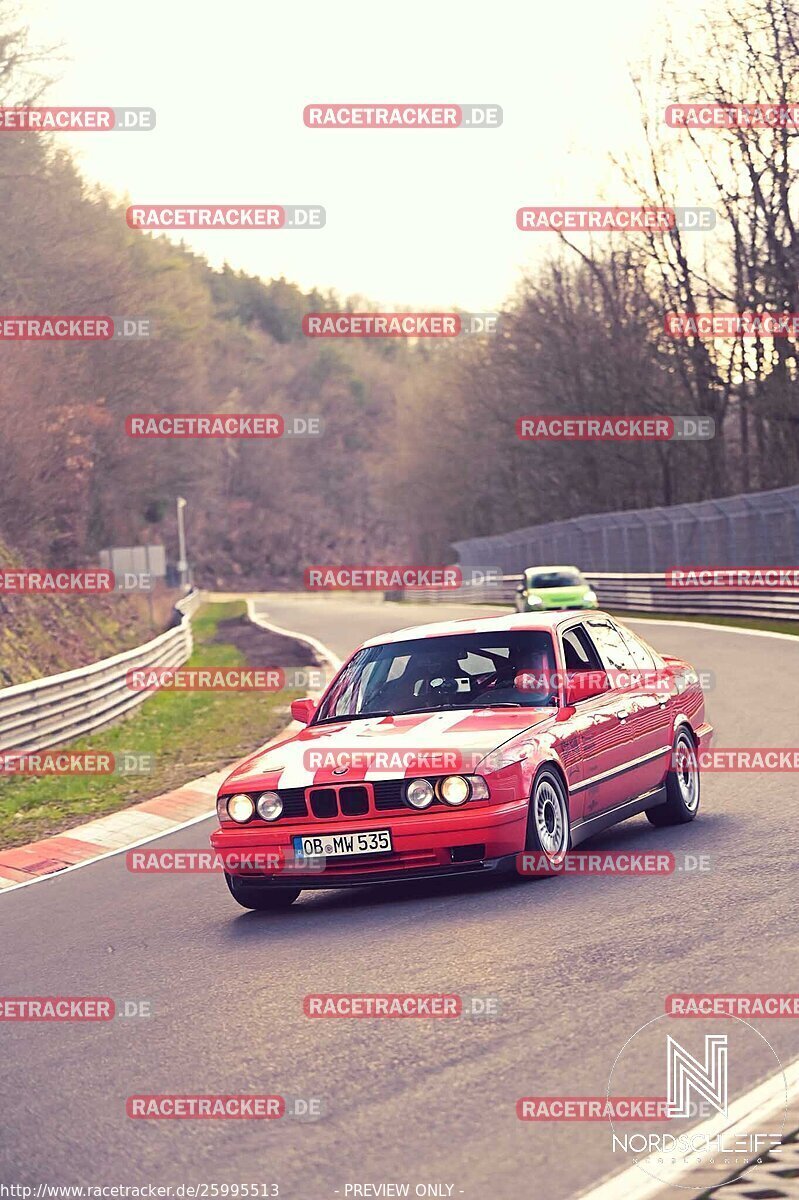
(376,732)
(430,735)
(428,731)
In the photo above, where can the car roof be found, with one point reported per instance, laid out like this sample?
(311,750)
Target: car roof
(547,622)
(562,567)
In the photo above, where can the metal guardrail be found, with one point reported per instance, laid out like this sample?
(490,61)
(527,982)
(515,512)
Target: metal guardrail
(635,593)
(59,708)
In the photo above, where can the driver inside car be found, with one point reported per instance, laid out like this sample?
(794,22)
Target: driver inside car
(525,681)
(426,681)
(441,682)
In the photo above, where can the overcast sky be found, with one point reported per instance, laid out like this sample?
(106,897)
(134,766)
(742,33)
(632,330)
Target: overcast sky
(424,219)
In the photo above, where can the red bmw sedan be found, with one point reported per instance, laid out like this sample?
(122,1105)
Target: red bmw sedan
(455,747)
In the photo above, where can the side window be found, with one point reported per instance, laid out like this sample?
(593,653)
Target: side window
(612,646)
(579,653)
(643,657)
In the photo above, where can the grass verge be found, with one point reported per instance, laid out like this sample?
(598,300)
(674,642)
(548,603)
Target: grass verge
(188,733)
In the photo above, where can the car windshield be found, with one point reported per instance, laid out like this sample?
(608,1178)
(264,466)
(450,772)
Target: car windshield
(552,579)
(469,670)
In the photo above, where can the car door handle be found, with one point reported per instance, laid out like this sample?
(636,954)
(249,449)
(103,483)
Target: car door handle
(632,708)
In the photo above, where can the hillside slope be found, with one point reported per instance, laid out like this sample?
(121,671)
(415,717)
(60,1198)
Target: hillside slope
(42,635)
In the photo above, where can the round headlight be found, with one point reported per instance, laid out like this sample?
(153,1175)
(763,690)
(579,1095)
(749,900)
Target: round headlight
(419,793)
(240,808)
(269,806)
(454,790)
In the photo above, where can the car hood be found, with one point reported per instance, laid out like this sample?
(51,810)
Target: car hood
(384,748)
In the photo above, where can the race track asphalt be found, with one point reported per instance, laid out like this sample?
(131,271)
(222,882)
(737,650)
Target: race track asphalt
(577,964)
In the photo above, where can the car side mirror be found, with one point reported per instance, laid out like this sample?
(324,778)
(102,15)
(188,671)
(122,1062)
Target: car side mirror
(303,710)
(582,685)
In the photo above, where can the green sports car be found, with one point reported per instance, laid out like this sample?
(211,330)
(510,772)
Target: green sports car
(555,587)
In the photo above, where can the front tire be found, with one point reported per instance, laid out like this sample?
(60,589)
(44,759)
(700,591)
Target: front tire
(548,824)
(682,785)
(261,899)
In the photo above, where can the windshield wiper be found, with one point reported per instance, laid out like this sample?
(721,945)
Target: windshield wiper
(353,717)
(411,712)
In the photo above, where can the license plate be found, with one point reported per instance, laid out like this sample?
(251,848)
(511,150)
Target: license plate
(337,845)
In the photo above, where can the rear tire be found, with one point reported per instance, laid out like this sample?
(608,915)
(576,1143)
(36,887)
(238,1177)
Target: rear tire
(682,785)
(261,899)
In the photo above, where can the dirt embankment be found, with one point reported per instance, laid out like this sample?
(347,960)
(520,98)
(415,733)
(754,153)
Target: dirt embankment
(262,647)
(43,635)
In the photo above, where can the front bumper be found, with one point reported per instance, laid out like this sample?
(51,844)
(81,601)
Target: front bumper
(705,734)
(549,605)
(561,605)
(425,846)
(497,866)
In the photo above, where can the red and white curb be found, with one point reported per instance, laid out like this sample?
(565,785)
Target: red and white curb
(107,835)
(776,1177)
